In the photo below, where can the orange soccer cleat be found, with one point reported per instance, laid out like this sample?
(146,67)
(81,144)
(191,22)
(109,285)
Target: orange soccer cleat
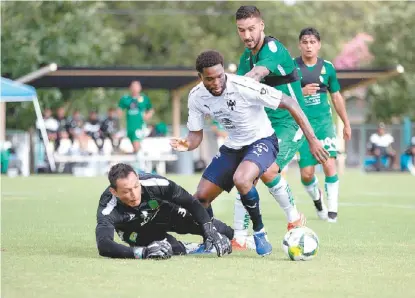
(298,223)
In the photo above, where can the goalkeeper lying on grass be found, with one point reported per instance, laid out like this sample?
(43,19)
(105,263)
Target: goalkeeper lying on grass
(143,208)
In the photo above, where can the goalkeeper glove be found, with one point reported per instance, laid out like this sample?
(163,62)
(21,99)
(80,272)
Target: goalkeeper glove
(158,250)
(214,239)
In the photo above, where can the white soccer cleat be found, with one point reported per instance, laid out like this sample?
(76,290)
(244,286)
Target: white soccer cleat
(323,214)
(332,220)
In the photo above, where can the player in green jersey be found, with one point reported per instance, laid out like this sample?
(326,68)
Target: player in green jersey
(139,110)
(318,78)
(267,60)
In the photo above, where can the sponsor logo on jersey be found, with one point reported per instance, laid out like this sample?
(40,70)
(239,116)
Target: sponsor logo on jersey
(133,105)
(227,123)
(148,217)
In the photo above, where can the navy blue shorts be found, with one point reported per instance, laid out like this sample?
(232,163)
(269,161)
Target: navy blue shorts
(223,166)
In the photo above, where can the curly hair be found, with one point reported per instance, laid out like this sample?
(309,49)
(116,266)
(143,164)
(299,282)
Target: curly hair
(208,59)
(309,31)
(246,12)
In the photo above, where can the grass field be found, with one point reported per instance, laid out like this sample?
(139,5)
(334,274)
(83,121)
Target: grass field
(48,246)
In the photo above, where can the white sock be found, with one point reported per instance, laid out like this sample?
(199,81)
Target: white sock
(260,231)
(312,189)
(282,193)
(240,218)
(332,191)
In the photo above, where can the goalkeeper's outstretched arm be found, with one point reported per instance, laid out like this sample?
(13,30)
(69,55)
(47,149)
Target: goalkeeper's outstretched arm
(106,245)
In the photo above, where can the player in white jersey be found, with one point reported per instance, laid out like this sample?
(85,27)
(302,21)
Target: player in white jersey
(251,146)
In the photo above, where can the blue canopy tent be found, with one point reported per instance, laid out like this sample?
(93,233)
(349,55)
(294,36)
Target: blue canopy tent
(12,91)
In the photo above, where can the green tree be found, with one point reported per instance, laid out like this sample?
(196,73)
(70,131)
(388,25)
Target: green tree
(173,33)
(68,33)
(394,44)
(169,33)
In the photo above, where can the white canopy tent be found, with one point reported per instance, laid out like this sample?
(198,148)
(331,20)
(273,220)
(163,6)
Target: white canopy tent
(12,91)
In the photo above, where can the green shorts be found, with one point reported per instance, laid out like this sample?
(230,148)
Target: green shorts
(136,135)
(325,132)
(290,138)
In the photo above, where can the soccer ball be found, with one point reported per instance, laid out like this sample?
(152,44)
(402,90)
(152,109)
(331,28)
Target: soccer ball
(300,244)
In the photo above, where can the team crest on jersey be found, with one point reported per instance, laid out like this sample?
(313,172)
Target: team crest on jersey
(153,204)
(323,70)
(272,46)
(231,104)
(263,91)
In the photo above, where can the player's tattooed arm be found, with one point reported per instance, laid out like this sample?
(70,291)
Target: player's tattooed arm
(340,107)
(295,110)
(258,73)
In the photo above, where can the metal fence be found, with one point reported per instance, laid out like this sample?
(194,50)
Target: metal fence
(356,148)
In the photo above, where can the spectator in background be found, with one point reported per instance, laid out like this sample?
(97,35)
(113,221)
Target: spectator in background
(381,146)
(159,130)
(51,125)
(75,125)
(139,111)
(65,144)
(92,128)
(408,158)
(110,128)
(62,120)
(62,124)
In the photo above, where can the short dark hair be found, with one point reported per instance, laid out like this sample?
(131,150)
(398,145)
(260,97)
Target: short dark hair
(246,12)
(309,31)
(208,59)
(119,171)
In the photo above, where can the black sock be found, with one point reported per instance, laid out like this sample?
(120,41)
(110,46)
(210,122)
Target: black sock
(251,203)
(210,211)
(318,205)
